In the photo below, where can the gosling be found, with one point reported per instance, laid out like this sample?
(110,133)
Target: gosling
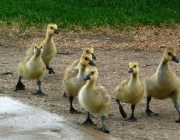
(163,83)
(75,63)
(32,67)
(94,99)
(129,91)
(73,80)
(49,48)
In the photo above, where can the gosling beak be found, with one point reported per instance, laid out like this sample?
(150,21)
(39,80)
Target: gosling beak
(130,70)
(38,51)
(174,58)
(91,63)
(93,56)
(56,31)
(87,77)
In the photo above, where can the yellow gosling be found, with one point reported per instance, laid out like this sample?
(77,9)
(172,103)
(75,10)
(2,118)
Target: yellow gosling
(49,48)
(129,91)
(164,82)
(74,64)
(73,80)
(32,67)
(94,99)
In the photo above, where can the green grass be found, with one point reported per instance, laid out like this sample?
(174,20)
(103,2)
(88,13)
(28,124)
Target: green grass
(90,13)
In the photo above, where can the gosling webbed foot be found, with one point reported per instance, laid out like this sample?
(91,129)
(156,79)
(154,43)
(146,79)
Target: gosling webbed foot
(64,95)
(89,122)
(132,119)
(150,113)
(51,71)
(40,93)
(103,129)
(74,111)
(178,121)
(20,86)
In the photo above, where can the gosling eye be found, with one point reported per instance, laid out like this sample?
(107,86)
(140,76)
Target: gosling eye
(87,51)
(35,47)
(169,54)
(92,72)
(134,66)
(41,47)
(52,28)
(86,58)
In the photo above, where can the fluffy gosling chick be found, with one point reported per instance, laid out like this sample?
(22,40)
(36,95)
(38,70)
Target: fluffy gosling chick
(73,80)
(75,63)
(49,48)
(164,82)
(32,67)
(129,91)
(94,99)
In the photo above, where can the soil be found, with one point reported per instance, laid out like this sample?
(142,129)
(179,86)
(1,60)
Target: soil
(114,50)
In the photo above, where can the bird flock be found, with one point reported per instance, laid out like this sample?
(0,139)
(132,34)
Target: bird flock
(81,75)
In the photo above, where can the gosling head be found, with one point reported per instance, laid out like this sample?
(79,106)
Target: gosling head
(170,55)
(86,59)
(133,67)
(52,29)
(38,49)
(89,51)
(91,73)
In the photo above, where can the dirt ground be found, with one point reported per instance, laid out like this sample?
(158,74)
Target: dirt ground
(114,50)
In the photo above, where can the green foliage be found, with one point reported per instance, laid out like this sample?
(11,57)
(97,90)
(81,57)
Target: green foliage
(90,13)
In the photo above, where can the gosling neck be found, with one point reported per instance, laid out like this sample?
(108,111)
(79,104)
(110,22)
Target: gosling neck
(163,72)
(164,64)
(49,37)
(82,69)
(134,80)
(91,83)
(37,56)
(134,76)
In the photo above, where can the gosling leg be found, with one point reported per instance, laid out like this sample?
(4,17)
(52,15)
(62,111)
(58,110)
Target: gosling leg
(148,111)
(178,109)
(20,85)
(132,118)
(88,121)
(72,110)
(51,71)
(103,128)
(39,91)
(121,110)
